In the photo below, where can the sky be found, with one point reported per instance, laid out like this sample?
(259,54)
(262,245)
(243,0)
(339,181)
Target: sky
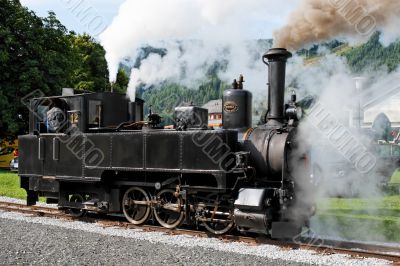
(72,13)
(100,13)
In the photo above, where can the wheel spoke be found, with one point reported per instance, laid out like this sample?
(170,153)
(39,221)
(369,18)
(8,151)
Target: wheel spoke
(218,222)
(168,213)
(136,213)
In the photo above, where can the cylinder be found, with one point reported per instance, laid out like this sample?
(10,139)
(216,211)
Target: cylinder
(254,220)
(237,109)
(277,58)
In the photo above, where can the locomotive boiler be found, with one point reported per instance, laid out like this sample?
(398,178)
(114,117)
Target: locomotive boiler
(94,152)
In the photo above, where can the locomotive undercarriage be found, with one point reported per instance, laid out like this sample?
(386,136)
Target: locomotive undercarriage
(175,204)
(171,208)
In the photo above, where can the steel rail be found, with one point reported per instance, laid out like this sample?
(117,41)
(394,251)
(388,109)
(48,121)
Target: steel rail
(324,246)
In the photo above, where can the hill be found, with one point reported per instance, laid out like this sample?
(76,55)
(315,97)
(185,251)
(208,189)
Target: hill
(373,55)
(367,57)
(166,97)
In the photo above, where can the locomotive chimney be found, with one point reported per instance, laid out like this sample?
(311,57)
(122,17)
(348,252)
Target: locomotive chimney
(277,58)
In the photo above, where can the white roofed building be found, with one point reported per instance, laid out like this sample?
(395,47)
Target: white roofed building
(214,108)
(390,107)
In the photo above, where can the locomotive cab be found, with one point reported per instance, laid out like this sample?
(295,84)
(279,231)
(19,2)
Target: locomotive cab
(55,145)
(86,112)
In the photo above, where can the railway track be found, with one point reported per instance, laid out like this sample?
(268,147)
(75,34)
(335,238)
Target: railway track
(324,246)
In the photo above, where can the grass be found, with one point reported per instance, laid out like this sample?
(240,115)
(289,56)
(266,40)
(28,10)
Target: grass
(374,219)
(9,185)
(387,208)
(395,178)
(340,51)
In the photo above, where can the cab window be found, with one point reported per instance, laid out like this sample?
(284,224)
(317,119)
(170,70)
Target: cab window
(95,113)
(41,118)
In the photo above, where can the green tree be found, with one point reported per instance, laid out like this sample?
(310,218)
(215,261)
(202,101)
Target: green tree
(165,97)
(122,81)
(90,68)
(373,55)
(40,53)
(35,53)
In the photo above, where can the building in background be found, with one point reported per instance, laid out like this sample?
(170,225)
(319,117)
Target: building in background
(214,108)
(389,107)
(379,112)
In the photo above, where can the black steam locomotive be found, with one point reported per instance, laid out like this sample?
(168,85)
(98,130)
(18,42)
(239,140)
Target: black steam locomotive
(93,152)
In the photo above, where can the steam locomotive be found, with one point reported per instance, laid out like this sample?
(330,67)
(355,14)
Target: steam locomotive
(93,152)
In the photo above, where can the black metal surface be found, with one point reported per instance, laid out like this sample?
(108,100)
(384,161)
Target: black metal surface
(237,109)
(127,150)
(250,199)
(56,149)
(71,152)
(97,158)
(49,164)
(187,117)
(269,144)
(29,163)
(152,151)
(277,58)
(269,149)
(95,110)
(285,230)
(43,184)
(251,220)
(164,150)
(135,110)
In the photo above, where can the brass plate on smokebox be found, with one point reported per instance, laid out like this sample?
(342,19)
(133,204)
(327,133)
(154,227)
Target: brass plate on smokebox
(231,107)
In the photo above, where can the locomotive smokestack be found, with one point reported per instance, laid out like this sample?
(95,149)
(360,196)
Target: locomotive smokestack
(277,58)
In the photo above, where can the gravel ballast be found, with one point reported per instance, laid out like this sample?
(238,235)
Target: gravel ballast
(38,240)
(27,243)
(20,201)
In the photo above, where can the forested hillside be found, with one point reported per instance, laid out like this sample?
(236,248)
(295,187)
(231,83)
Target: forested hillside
(373,55)
(367,57)
(167,96)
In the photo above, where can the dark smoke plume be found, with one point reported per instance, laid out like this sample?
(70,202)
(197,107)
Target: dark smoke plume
(319,20)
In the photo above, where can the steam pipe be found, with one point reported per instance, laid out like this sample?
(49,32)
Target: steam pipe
(277,58)
(132,111)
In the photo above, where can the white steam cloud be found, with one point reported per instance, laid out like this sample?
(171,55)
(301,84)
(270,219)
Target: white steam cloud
(222,27)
